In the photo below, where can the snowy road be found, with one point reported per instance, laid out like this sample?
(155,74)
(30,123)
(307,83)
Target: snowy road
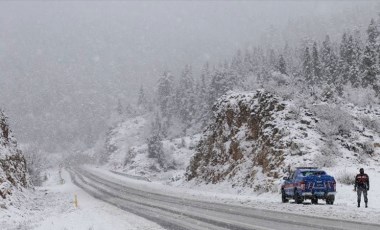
(182,213)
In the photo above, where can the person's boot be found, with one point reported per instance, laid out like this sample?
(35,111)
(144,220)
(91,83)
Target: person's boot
(366,204)
(358,204)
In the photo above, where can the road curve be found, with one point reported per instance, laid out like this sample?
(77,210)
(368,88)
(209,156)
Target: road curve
(175,213)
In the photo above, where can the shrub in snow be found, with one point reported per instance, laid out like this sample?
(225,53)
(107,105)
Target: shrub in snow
(330,148)
(294,112)
(370,123)
(155,149)
(368,148)
(347,178)
(281,85)
(322,160)
(333,120)
(36,163)
(362,159)
(360,96)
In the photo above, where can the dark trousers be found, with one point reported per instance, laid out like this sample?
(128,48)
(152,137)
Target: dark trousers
(360,191)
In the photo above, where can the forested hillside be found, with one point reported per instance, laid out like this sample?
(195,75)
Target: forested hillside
(320,70)
(330,87)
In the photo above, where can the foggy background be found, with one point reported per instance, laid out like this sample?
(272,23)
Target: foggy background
(65,65)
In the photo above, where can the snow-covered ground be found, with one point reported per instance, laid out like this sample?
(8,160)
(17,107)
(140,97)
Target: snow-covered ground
(344,207)
(52,207)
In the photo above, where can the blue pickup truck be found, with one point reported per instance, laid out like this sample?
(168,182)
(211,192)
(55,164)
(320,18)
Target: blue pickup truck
(309,183)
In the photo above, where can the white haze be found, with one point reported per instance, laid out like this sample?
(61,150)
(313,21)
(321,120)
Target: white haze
(64,65)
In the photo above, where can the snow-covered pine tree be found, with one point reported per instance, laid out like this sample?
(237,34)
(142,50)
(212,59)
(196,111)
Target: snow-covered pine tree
(260,63)
(317,71)
(281,66)
(354,68)
(307,67)
(272,60)
(154,142)
(119,108)
(4,134)
(345,52)
(202,107)
(289,55)
(329,62)
(249,65)
(142,101)
(369,69)
(185,97)
(237,69)
(165,94)
(369,61)
(221,82)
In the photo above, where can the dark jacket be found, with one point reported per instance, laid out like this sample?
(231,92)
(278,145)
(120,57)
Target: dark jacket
(362,181)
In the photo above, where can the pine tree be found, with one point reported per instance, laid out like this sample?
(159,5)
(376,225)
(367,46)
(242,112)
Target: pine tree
(281,65)
(154,142)
(119,108)
(369,61)
(369,66)
(317,72)
(203,108)
(307,67)
(356,60)
(272,60)
(165,94)
(186,98)
(289,56)
(329,62)
(248,64)
(238,70)
(261,66)
(142,102)
(220,83)
(344,59)
(373,32)
(4,128)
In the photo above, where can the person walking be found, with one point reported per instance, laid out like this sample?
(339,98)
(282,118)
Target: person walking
(362,186)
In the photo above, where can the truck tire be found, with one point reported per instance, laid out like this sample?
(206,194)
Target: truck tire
(283,197)
(330,200)
(297,197)
(314,200)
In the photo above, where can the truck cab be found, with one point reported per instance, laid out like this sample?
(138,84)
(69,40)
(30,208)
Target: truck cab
(308,183)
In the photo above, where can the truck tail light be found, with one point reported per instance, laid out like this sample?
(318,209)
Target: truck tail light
(302,185)
(328,184)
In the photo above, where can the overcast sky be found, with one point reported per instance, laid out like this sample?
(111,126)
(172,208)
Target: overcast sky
(63,64)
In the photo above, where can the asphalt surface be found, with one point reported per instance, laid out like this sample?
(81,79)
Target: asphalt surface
(181,213)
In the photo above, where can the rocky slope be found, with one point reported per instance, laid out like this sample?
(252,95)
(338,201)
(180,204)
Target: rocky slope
(13,172)
(255,137)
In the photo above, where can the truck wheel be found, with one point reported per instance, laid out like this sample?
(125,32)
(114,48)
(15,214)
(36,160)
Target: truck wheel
(283,196)
(314,200)
(297,197)
(330,200)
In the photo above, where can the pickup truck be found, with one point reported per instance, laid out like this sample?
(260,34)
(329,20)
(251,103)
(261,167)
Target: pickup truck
(309,183)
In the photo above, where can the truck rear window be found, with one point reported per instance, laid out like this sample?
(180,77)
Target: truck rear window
(313,173)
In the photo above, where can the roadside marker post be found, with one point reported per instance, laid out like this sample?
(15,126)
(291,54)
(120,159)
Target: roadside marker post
(62,181)
(76,201)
